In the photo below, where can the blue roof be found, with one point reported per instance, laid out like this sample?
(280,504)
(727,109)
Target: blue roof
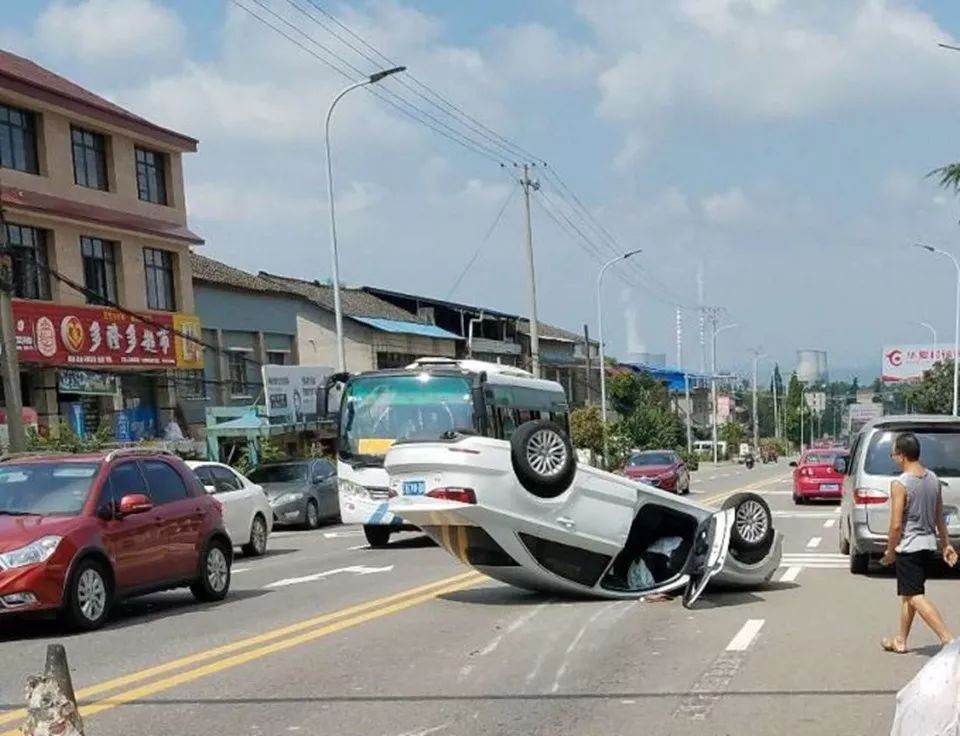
(407,328)
(673,377)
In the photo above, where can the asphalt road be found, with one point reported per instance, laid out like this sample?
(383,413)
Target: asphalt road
(326,636)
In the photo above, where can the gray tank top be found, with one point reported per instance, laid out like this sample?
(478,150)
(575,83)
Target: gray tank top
(920,512)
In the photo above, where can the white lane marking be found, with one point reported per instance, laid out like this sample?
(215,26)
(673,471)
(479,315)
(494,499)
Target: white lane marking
(778,493)
(790,575)
(339,535)
(562,670)
(425,732)
(836,510)
(355,569)
(359,546)
(804,515)
(238,570)
(514,626)
(821,561)
(712,477)
(744,638)
(814,542)
(829,523)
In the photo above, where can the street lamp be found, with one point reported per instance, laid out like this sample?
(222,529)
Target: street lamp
(713,384)
(956,318)
(933,333)
(603,368)
(334,254)
(757,355)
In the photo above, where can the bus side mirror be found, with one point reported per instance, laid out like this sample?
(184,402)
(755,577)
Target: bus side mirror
(328,396)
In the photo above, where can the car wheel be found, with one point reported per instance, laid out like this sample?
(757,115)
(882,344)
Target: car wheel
(752,524)
(798,499)
(213,584)
(543,458)
(844,545)
(257,546)
(859,563)
(377,535)
(88,597)
(312,515)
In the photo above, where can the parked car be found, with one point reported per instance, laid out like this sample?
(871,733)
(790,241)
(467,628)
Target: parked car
(80,532)
(300,492)
(522,511)
(662,469)
(869,472)
(246,511)
(815,477)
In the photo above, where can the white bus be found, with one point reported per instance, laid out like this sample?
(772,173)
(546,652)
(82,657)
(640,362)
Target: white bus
(433,398)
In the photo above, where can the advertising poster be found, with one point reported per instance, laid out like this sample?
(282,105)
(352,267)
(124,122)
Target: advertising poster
(908,362)
(291,392)
(87,383)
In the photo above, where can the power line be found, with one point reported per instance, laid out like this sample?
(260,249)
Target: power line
(438,127)
(483,241)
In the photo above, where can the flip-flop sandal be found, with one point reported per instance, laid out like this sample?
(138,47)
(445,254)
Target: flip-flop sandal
(890,645)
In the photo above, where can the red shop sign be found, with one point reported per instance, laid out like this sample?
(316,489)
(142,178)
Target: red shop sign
(53,334)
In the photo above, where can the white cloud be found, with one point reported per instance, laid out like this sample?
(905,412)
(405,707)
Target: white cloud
(764,59)
(534,53)
(727,207)
(106,31)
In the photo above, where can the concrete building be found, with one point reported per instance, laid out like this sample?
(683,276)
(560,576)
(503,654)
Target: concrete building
(96,223)
(563,358)
(254,319)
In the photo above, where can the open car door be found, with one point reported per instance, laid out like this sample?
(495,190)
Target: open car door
(709,553)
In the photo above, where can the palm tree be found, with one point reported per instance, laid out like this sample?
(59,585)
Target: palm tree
(949,176)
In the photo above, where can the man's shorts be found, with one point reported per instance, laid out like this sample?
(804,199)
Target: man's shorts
(912,569)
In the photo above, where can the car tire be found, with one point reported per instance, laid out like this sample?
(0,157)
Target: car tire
(213,578)
(257,546)
(844,545)
(88,596)
(859,562)
(311,515)
(798,499)
(543,459)
(753,522)
(377,535)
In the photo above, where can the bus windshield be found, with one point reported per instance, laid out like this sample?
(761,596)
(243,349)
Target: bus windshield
(379,410)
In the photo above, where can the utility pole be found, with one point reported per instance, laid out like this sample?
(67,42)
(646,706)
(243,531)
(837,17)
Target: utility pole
(756,422)
(527,185)
(679,339)
(9,364)
(776,408)
(689,411)
(700,307)
(586,342)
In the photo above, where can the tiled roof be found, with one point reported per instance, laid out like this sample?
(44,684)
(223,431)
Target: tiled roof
(549,332)
(355,302)
(26,77)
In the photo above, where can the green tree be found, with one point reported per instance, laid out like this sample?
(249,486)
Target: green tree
(932,394)
(646,419)
(794,403)
(586,428)
(733,434)
(630,391)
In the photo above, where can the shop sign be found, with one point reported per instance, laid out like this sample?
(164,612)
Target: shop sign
(54,334)
(291,392)
(87,383)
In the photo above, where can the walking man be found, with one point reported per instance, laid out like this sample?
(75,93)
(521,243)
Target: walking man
(916,525)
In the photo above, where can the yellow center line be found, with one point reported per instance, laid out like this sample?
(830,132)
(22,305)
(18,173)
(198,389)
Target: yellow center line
(720,497)
(419,594)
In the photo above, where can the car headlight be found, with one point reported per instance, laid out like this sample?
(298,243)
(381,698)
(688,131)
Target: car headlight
(33,554)
(287,498)
(349,488)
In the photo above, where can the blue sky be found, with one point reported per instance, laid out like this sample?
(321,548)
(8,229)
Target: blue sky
(783,145)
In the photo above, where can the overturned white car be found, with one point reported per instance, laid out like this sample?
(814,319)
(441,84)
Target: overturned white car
(507,497)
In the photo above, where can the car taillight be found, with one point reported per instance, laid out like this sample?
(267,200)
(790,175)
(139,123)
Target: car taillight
(869,497)
(461,495)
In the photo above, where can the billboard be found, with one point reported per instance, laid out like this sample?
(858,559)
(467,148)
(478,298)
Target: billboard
(79,336)
(908,362)
(291,392)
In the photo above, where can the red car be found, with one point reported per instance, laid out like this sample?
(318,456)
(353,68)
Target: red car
(79,532)
(662,469)
(814,476)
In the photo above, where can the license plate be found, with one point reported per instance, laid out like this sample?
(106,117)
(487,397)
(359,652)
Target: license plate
(829,486)
(414,487)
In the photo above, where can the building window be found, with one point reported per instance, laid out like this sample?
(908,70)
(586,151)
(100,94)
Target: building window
(89,158)
(18,140)
(237,372)
(151,176)
(28,251)
(158,267)
(192,384)
(277,357)
(99,270)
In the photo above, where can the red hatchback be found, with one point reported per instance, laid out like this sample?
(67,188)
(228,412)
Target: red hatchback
(662,469)
(79,532)
(814,476)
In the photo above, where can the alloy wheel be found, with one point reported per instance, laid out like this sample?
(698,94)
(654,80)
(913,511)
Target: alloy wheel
(91,594)
(546,452)
(751,521)
(218,571)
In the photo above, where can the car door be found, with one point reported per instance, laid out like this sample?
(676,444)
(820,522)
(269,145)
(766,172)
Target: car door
(709,553)
(133,542)
(324,477)
(237,503)
(181,518)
